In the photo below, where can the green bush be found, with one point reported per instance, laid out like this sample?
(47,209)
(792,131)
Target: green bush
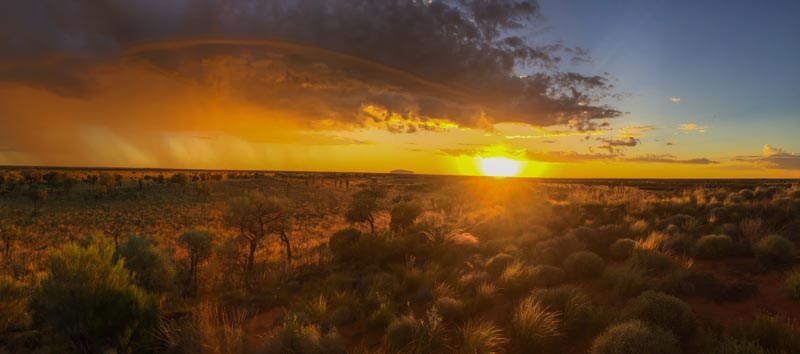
(91,300)
(774,251)
(498,263)
(534,326)
(152,268)
(451,309)
(635,337)
(344,244)
(730,345)
(481,338)
(381,317)
(713,246)
(13,304)
(651,262)
(626,282)
(662,310)
(584,265)
(576,311)
(544,276)
(791,286)
(769,332)
(622,249)
(297,337)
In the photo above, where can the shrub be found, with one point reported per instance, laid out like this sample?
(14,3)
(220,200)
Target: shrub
(555,250)
(584,265)
(769,332)
(626,282)
(344,244)
(485,294)
(13,304)
(534,326)
(401,333)
(451,309)
(713,246)
(662,310)
(730,345)
(547,276)
(152,268)
(651,262)
(381,316)
(622,249)
(498,263)
(296,337)
(634,337)
(791,286)
(774,251)
(516,279)
(574,307)
(91,300)
(408,335)
(481,338)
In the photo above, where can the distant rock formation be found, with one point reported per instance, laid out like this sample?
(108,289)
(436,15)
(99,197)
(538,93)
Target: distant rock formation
(402,172)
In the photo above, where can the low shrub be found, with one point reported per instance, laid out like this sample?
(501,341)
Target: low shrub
(381,317)
(534,326)
(774,251)
(543,276)
(769,332)
(481,338)
(91,300)
(13,304)
(635,337)
(662,310)
(151,266)
(651,262)
(450,309)
(791,286)
(713,247)
(498,263)
(626,282)
(297,337)
(584,265)
(622,249)
(344,244)
(576,311)
(729,345)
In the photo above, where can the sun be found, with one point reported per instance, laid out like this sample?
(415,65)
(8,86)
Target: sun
(499,166)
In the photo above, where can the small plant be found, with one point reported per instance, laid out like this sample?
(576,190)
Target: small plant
(297,337)
(534,326)
(662,310)
(451,309)
(791,286)
(713,246)
(635,337)
(481,338)
(584,265)
(651,262)
(498,263)
(544,276)
(344,244)
(774,334)
(13,304)
(774,251)
(622,249)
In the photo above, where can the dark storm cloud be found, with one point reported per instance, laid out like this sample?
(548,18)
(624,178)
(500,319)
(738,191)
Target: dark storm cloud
(460,60)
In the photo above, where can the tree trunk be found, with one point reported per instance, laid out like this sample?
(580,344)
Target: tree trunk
(252,256)
(371,224)
(288,245)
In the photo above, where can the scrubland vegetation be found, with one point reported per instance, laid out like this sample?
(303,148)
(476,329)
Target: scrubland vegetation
(250,262)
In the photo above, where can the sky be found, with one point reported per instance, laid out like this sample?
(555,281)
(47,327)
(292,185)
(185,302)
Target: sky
(567,88)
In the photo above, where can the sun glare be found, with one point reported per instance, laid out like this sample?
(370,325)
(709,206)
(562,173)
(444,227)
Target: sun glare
(499,166)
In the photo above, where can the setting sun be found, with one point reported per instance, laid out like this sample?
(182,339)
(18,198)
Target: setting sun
(499,166)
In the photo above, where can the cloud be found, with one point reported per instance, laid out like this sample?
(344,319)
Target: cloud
(565,156)
(693,127)
(774,158)
(675,99)
(670,159)
(420,62)
(617,144)
(635,131)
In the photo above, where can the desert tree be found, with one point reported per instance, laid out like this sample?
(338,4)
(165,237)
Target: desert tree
(256,216)
(38,196)
(199,244)
(152,267)
(364,206)
(403,215)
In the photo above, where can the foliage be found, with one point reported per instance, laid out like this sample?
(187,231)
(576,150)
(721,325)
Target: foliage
(151,266)
(713,246)
(622,249)
(662,310)
(584,265)
(534,326)
(364,206)
(91,300)
(344,244)
(403,215)
(634,337)
(774,251)
(791,286)
(13,304)
(481,337)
